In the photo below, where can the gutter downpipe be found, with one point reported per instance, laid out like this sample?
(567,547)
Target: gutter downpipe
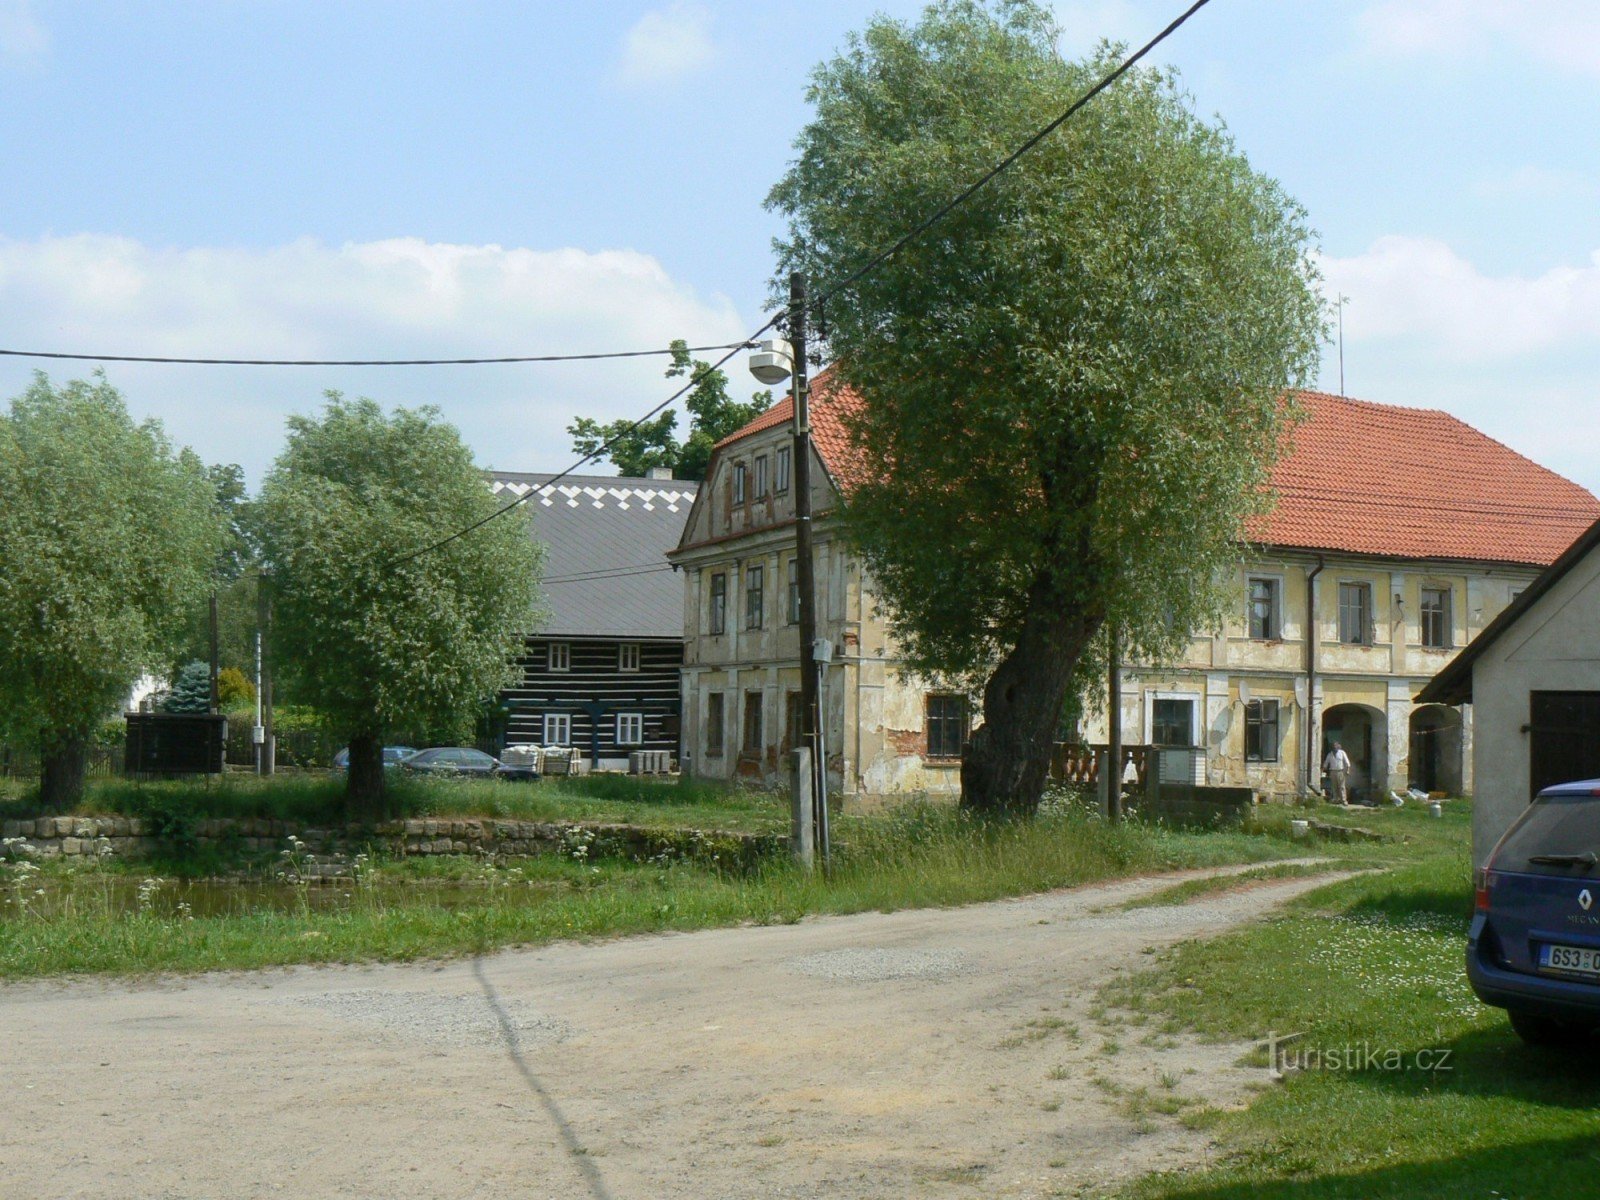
(1311,675)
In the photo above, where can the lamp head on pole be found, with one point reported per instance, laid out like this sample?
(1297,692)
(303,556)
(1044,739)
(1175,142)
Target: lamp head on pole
(773,362)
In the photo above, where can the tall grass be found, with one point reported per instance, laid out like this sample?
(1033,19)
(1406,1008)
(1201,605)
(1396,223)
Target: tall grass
(924,855)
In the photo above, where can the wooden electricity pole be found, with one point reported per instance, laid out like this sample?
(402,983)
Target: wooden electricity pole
(811,718)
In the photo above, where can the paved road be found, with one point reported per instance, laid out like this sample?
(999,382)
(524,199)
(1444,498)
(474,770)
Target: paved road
(924,1053)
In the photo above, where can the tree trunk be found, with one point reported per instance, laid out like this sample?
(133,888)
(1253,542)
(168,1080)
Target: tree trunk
(366,795)
(64,761)
(1007,761)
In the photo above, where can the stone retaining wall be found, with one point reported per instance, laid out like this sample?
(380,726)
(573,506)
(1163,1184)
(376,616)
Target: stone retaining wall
(132,837)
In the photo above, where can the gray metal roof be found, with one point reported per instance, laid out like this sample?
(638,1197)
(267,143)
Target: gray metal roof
(606,538)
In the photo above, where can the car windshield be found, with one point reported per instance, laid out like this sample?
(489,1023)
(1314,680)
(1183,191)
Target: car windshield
(1561,830)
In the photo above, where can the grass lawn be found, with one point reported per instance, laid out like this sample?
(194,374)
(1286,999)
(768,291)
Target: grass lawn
(920,855)
(318,799)
(1374,965)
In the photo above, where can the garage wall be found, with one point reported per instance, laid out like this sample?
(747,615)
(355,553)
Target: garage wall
(1554,646)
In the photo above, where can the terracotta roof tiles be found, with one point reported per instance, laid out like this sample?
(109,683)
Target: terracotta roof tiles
(1359,478)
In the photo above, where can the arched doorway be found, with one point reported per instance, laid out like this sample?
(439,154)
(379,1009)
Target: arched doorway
(1363,733)
(1436,747)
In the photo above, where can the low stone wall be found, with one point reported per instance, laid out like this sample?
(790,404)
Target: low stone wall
(131,837)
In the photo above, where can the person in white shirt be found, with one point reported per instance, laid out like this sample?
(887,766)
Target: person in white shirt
(1337,767)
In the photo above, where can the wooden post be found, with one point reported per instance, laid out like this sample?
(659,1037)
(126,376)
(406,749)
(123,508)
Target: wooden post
(1114,732)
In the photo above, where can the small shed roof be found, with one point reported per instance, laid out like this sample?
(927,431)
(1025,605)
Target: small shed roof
(606,538)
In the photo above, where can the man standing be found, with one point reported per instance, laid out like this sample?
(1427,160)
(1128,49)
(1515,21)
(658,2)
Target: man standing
(1337,768)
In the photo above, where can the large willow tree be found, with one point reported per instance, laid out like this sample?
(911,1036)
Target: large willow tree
(107,540)
(382,642)
(1074,384)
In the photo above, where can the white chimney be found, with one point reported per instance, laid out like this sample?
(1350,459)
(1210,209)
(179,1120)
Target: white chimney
(660,473)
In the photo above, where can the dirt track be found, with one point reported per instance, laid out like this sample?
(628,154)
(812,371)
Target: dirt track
(925,1053)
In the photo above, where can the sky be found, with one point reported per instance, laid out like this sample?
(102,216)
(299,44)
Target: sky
(360,180)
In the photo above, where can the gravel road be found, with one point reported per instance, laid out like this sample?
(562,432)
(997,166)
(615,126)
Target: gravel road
(929,1053)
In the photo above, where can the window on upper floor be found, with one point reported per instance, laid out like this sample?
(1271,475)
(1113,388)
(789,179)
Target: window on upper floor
(1262,608)
(628,656)
(739,473)
(1436,618)
(754,597)
(1355,614)
(1261,731)
(759,483)
(780,471)
(561,656)
(791,608)
(717,618)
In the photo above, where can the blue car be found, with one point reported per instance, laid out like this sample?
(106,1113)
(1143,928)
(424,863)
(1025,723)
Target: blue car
(1534,945)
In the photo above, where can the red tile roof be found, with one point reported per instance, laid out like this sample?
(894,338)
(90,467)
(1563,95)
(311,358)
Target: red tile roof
(1359,478)
(1378,479)
(831,404)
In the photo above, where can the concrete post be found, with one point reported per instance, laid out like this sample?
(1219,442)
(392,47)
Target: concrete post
(802,827)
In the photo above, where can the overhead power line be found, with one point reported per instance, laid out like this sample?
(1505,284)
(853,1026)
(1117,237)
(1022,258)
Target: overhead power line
(866,268)
(365,362)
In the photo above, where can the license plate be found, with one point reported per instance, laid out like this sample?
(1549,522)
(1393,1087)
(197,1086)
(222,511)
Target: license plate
(1570,958)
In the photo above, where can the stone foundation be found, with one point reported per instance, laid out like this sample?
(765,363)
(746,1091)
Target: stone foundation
(131,837)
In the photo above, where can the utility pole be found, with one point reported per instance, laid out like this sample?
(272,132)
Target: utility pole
(811,719)
(216,656)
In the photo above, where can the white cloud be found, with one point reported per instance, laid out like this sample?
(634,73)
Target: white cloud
(665,44)
(399,298)
(1515,355)
(1563,32)
(1419,287)
(23,37)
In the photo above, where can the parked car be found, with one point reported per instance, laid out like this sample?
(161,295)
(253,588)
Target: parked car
(393,756)
(1534,945)
(452,760)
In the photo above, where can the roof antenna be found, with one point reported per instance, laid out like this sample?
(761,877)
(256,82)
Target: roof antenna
(1340,302)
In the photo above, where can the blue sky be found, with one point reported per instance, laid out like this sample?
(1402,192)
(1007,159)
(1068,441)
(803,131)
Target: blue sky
(421,179)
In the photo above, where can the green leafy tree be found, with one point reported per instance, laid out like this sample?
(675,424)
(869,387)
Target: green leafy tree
(1073,387)
(234,690)
(191,691)
(380,643)
(713,416)
(107,540)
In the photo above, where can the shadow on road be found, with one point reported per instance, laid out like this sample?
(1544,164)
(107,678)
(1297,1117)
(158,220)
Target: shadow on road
(508,1030)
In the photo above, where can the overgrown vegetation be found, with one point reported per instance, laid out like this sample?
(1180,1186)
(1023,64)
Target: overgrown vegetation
(919,855)
(1375,962)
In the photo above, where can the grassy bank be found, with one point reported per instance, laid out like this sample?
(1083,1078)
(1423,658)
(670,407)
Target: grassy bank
(918,856)
(1374,965)
(318,799)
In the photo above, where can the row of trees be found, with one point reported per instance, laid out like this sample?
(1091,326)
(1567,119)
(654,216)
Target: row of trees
(111,541)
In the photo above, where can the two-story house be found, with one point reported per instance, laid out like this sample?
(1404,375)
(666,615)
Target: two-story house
(602,674)
(882,731)
(1398,534)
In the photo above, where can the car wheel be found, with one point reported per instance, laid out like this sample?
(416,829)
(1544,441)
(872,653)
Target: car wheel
(1551,1033)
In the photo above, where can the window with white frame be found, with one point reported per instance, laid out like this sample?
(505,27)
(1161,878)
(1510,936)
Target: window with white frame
(738,483)
(780,471)
(558,729)
(759,488)
(628,656)
(1436,618)
(561,656)
(630,729)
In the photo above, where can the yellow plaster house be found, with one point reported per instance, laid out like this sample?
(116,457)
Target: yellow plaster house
(1397,535)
